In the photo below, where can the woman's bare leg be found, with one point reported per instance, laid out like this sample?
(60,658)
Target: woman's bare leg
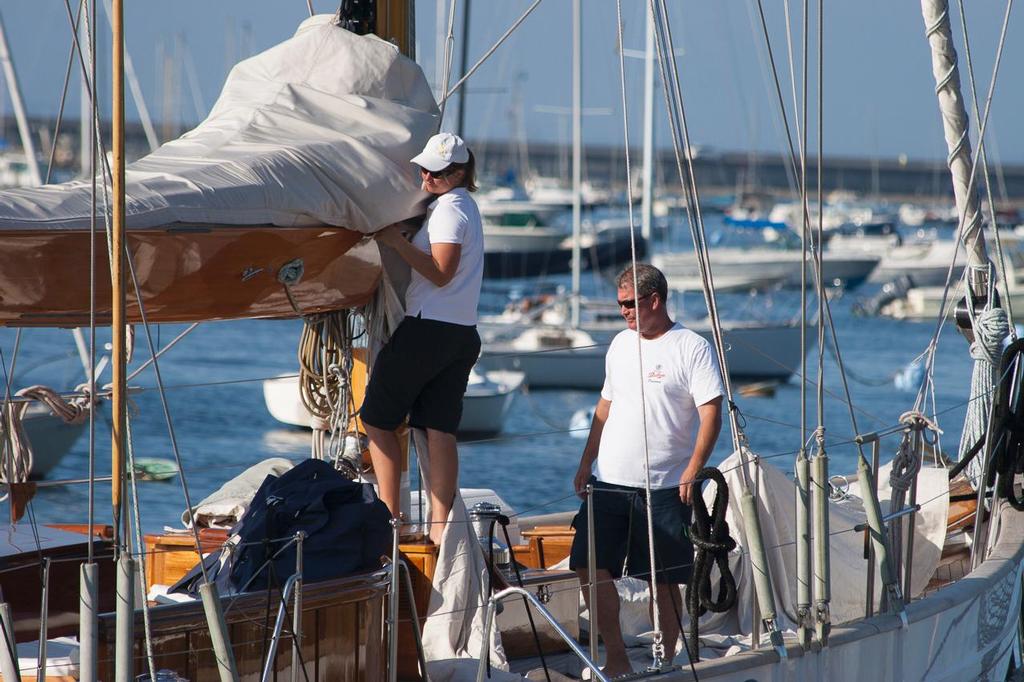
(443,479)
(386,455)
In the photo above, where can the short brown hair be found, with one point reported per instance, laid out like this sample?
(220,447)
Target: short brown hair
(469,172)
(649,280)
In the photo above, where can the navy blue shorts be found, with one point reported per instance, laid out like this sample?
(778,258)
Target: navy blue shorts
(421,373)
(620,533)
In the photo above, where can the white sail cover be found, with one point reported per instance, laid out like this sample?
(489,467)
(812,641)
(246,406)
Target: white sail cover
(316,130)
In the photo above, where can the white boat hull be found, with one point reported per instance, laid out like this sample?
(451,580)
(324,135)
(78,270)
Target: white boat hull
(753,352)
(513,240)
(51,438)
(966,631)
(484,407)
(840,270)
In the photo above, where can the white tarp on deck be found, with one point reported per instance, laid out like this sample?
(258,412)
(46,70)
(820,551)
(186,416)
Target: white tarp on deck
(316,130)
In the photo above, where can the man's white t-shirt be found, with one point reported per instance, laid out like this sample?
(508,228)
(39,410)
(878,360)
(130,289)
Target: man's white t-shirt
(680,372)
(454,219)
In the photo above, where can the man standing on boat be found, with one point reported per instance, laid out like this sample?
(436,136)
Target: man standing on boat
(668,385)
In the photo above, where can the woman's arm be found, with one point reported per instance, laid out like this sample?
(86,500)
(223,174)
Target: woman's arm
(438,266)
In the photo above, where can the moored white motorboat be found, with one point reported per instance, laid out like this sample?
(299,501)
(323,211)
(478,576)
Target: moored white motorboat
(843,270)
(489,397)
(562,357)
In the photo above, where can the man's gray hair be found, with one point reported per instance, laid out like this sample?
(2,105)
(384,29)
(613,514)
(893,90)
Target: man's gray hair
(649,280)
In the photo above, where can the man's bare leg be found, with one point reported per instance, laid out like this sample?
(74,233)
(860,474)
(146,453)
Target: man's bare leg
(444,477)
(669,610)
(616,661)
(386,455)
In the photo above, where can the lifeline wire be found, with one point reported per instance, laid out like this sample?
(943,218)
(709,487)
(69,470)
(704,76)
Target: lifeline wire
(658,647)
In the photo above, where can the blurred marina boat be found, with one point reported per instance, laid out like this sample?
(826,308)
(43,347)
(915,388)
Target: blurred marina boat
(840,208)
(525,238)
(50,436)
(845,270)
(542,344)
(489,397)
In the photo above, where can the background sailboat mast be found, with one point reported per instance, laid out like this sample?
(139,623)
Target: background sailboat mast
(647,198)
(460,126)
(577,157)
(958,141)
(19,107)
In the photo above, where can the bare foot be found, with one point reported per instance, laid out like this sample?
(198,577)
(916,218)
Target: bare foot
(610,671)
(436,532)
(617,668)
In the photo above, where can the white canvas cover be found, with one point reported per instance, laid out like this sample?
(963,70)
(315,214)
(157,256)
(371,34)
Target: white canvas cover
(316,130)
(453,634)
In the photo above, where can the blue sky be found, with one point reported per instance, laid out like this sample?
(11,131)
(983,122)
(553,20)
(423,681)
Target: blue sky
(879,98)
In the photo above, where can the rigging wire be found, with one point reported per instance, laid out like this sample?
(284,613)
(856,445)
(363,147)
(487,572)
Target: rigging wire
(88,77)
(449,49)
(1001,258)
(140,548)
(674,105)
(64,94)
(165,406)
(480,62)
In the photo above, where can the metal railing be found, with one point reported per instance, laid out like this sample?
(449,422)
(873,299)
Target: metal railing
(492,605)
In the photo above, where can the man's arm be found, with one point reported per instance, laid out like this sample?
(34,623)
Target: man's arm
(590,450)
(438,266)
(710,415)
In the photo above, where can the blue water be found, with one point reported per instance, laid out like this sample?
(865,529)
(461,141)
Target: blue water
(221,425)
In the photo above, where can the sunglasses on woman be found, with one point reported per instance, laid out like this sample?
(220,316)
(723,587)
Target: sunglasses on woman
(438,175)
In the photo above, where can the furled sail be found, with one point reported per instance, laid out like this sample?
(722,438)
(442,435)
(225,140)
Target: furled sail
(306,150)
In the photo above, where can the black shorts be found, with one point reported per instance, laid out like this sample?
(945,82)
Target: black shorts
(620,533)
(421,372)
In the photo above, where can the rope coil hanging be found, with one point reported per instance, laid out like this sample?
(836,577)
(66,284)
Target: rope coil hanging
(1008,434)
(712,543)
(325,385)
(17,456)
(991,328)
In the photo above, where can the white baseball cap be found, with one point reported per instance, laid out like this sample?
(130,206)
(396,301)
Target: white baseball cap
(440,151)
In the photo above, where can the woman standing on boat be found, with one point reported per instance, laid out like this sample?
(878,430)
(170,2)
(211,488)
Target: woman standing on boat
(423,370)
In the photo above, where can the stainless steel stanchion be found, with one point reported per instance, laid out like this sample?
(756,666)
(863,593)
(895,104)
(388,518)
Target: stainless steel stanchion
(592,571)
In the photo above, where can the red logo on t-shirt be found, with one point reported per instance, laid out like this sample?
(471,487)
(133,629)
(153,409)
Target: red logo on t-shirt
(656,376)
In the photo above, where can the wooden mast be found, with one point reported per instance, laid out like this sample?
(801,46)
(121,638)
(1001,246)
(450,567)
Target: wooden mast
(117,275)
(395,21)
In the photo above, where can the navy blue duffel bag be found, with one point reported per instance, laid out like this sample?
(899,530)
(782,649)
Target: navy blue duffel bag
(347,529)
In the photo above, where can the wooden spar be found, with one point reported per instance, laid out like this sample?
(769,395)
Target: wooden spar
(117,274)
(955,127)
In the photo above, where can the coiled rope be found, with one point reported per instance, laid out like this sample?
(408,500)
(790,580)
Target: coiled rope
(325,382)
(17,456)
(991,328)
(1008,432)
(712,544)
